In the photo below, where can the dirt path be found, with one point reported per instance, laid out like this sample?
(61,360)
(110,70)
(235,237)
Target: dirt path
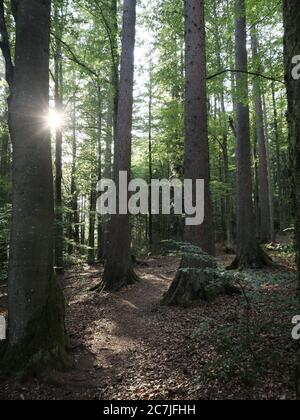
(126,346)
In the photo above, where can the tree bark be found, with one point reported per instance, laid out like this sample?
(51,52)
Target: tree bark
(95,176)
(150,166)
(292,49)
(5,199)
(196,130)
(82,220)
(92,221)
(227,200)
(249,254)
(99,176)
(264,228)
(268,151)
(278,162)
(111,124)
(36,309)
(187,285)
(59,229)
(74,234)
(118,271)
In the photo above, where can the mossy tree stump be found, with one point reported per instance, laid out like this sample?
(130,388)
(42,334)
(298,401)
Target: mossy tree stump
(198,278)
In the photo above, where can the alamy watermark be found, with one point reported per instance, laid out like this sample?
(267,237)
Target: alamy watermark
(167,197)
(2,328)
(296,329)
(296,69)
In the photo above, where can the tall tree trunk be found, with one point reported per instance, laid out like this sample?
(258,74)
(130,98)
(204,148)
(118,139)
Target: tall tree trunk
(292,48)
(227,201)
(95,176)
(92,221)
(264,227)
(99,177)
(36,313)
(185,287)
(150,168)
(248,252)
(5,173)
(196,130)
(103,242)
(59,229)
(115,63)
(74,234)
(111,123)
(4,199)
(271,200)
(118,271)
(278,162)
(82,221)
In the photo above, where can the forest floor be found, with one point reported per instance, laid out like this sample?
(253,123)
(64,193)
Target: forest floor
(127,346)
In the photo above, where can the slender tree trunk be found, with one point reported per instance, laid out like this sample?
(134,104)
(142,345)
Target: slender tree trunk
(92,221)
(278,162)
(271,201)
(4,160)
(95,176)
(36,313)
(100,230)
(227,201)
(248,252)
(255,172)
(111,124)
(74,234)
(5,173)
(150,217)
(264,227)
(292,48)
(82,221)
(118,271)
(107,174)
(4,197)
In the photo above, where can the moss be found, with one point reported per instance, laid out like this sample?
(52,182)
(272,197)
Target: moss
(45,342)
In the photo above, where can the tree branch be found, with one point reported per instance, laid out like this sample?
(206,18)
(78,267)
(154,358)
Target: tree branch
(110,37)
(251,73)
(74,58)
(5,48)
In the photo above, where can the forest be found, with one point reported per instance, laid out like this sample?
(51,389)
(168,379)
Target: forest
(149,200)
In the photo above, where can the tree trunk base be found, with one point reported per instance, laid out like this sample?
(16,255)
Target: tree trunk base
(15,362)
(255,260)
(45,343)
(115,283)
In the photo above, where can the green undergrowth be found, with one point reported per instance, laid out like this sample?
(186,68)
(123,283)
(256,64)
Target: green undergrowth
(258,337)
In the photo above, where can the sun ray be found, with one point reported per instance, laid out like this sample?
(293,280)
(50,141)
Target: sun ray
(55,120)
